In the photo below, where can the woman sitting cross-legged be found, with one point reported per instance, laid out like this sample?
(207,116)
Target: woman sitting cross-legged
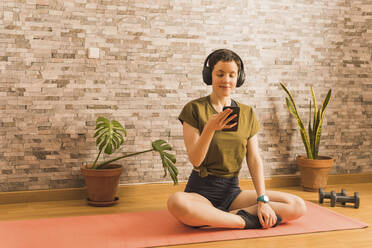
(212,196)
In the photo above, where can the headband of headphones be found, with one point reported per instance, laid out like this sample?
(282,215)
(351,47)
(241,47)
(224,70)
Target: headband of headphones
(207,70)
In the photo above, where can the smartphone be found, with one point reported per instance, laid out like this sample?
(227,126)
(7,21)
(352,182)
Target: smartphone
(235,110)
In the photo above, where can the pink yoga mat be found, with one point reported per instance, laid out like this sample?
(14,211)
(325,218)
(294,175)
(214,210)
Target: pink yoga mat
(148,229)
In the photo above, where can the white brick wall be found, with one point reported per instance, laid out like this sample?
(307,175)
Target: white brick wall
(149,66)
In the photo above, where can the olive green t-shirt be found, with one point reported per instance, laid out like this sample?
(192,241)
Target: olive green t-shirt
(227,148)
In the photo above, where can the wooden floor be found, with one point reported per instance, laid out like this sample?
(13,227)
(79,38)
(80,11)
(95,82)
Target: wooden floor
(154,197)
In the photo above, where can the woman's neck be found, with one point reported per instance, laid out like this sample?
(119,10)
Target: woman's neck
(219,102)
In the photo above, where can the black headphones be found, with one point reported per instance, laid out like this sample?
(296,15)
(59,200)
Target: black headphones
(207,71)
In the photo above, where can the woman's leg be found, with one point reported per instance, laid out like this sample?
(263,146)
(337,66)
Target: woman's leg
(287,206)
(193,209)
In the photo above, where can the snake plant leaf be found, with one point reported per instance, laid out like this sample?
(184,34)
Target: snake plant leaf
(305,140)
(314,100)
(310,132)
(293,110)
(304,136)
(316,126)
(290,107)
(326,100)
(317,139)
(290,96)
(311,139)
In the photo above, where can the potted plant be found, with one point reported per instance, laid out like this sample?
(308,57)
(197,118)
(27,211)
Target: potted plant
(314,169)
(102,178)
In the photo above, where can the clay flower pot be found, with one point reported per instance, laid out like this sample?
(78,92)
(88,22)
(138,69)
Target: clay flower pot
(102,184)
(102,177)
(314,172)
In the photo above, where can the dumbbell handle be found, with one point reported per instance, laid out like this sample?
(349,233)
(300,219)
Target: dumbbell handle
(345,198)
(328,195)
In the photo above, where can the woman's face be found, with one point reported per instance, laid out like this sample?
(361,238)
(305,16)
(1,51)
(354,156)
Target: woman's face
(224,78)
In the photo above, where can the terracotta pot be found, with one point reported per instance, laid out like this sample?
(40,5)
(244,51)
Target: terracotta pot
(314,172)
(102,185)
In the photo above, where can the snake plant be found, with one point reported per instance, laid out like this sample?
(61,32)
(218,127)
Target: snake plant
(311,139)
(110,136)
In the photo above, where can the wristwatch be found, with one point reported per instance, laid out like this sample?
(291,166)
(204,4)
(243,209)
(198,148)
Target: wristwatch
(263,198)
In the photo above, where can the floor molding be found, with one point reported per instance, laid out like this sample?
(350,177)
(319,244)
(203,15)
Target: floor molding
(80,193)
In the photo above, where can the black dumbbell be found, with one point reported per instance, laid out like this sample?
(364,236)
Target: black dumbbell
(343,199)
(325,195)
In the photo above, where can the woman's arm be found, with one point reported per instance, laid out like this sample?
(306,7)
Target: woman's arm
(197,144)
(265,213)
(255,165)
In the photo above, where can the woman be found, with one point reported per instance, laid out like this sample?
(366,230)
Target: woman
(212,195)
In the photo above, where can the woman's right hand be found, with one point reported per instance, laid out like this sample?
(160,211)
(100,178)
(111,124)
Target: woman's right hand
(197,144)
(219,121)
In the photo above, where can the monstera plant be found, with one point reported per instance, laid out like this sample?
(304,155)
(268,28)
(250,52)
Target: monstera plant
(109,138)
(314,168)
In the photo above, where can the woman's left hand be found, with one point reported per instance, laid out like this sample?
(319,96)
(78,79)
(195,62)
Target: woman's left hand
(266,215)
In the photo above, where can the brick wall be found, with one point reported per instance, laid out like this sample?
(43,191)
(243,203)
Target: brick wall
(149,66)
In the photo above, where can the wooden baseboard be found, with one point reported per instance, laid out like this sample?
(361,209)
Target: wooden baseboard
(80,193)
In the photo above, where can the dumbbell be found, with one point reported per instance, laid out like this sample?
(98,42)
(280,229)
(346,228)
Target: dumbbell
(326,195)
(343,199)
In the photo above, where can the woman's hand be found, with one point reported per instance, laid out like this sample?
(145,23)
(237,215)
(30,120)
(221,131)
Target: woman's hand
(266,215)
(219,121)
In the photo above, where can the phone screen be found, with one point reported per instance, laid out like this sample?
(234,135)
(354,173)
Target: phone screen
(235,110)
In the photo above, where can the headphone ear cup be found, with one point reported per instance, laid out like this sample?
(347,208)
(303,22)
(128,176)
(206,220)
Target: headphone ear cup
(241,78)
(207,75)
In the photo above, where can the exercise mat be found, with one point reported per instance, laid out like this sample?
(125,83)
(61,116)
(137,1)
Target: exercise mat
(152,228)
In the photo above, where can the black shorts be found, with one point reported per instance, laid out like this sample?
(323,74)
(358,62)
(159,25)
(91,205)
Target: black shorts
(221,192)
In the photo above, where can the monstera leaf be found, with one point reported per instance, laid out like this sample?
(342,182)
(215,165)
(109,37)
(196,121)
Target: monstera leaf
(109,136)
(168,160)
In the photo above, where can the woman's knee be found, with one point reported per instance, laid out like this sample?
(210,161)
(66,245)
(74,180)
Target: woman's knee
(177,203)
(298,207)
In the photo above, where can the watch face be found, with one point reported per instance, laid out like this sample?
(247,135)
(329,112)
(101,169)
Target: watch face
(263,198)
